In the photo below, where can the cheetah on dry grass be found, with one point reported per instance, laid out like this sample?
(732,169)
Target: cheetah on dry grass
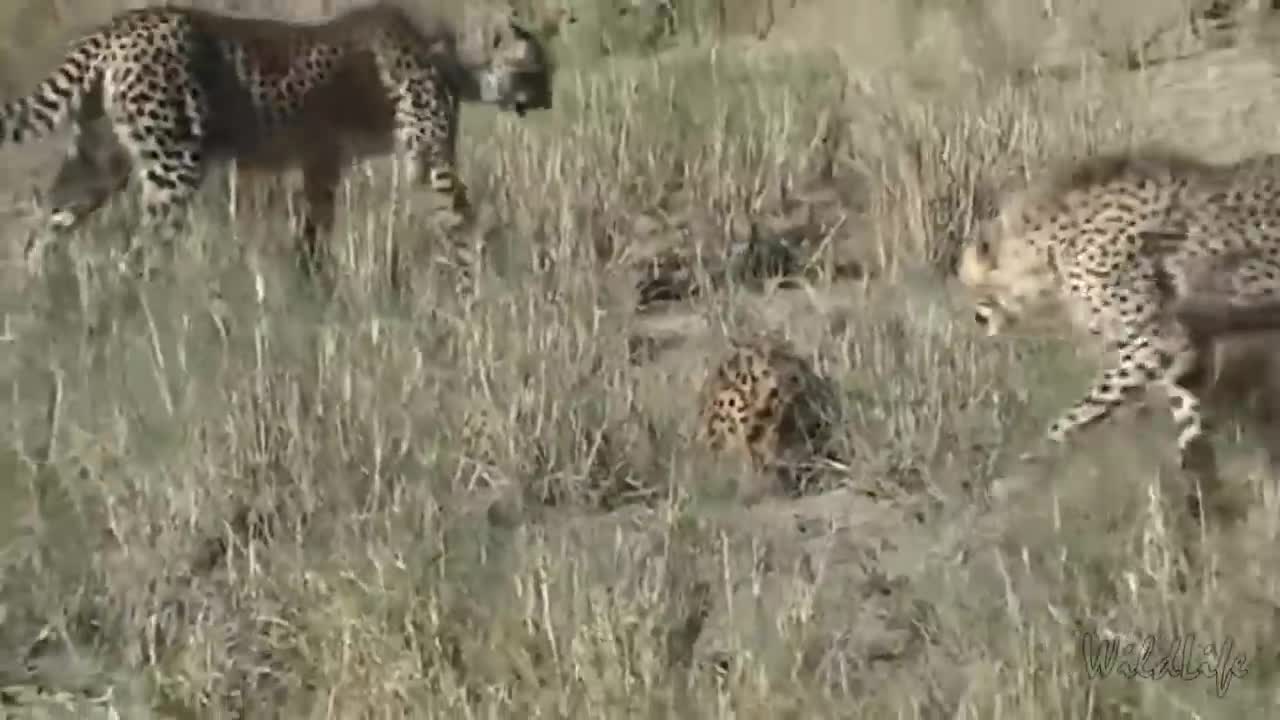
(765,399)
(1114,242)
(163,92)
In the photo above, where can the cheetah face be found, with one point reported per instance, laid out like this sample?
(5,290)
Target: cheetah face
(1012,283)
(518,74)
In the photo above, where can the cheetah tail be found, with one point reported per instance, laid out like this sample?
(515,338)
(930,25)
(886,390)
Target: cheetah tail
(1210,316)
(58,97)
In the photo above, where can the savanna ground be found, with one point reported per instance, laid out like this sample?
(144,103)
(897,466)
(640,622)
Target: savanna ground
(224,494)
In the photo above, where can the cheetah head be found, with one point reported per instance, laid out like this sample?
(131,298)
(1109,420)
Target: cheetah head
(512,65)
(1012,282)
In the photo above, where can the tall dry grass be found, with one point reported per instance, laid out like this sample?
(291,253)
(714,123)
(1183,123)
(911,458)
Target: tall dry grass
(228,493)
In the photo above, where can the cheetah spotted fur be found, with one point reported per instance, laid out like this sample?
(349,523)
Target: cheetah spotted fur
(764,399)
(1115,243)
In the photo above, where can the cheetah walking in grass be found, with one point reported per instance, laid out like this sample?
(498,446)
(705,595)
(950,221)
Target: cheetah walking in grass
(1121,243)
(764,399)
(160,93)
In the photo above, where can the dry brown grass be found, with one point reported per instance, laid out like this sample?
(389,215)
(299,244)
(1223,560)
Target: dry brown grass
(227,495)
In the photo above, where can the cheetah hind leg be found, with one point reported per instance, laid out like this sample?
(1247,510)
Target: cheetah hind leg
(96,168)
(1186,382)
(1235,294)
(169,184)
(1251,380)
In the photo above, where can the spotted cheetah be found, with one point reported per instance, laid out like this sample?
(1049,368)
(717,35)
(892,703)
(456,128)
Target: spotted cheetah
(1114,242)
(163,92)
(764,398)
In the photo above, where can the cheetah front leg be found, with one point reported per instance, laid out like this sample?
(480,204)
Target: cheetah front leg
(96,167)
(427,136)
(1170,358)
(1138,368)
